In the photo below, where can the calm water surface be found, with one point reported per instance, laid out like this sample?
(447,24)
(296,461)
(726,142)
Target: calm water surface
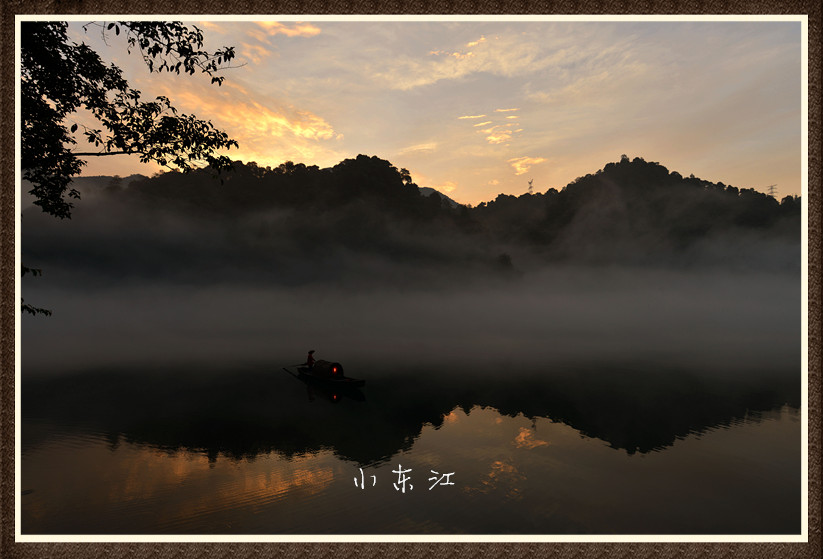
(261,452)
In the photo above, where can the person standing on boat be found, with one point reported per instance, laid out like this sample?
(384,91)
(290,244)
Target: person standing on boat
(310,359)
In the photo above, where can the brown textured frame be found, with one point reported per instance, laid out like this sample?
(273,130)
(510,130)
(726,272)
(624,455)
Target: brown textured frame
(318,550)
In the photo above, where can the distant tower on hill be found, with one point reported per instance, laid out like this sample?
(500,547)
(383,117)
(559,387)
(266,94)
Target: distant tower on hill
(771,190)
(531,188)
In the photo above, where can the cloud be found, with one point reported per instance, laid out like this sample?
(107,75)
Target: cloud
(255,40)
(253,117)
(446,187)
(237,87)
(498,133)
(266,130)
(431,146)
(523,164)
(264,31)
(300,123)
(298,29)
(471,116)
(502,56)
(457,54)
(255,53)
(586,89)
(498,136)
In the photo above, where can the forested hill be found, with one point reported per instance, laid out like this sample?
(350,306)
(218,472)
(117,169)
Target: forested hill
(640,203)
(294,217)
(628,197)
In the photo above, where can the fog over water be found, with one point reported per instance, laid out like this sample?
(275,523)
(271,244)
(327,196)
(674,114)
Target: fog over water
(708,320)
(544,357)
(148,273)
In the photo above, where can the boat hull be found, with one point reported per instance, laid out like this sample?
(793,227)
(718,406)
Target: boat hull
(337,381)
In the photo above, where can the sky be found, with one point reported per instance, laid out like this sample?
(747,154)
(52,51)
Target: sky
(479,108)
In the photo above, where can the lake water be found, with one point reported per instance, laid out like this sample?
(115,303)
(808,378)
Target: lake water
(589,450)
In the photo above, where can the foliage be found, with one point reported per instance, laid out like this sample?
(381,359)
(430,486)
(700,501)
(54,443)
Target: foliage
(364,181)
(60,77)
(29,308)
(364,221)
(631,201)
(638,203)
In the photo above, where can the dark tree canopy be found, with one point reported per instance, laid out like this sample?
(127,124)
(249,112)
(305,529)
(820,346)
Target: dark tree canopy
(363,223)
(60,77)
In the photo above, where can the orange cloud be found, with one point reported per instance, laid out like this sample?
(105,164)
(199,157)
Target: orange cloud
(497,134)
(252,117)
(255,53)
(446,188)
(499,137)
(267,133)
(236,87)
(298,29)
(419,147)
(523,164)
(457,54)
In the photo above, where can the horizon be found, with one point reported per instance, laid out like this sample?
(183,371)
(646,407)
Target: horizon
(479,108)
(420,187)
(640,331)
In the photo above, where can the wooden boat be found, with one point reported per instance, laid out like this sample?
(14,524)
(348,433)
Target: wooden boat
(341,380)
(329,373)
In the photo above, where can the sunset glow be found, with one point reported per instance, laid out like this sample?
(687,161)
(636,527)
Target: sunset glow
(486,106)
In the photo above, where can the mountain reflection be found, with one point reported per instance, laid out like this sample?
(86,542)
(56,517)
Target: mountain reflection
(242,414)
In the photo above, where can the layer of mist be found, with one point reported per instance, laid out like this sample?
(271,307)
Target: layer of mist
(364,223)
(631,265)
(637,307)
(713,321)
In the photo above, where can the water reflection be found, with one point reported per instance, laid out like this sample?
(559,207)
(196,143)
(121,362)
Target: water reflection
(734,479)
(317,387)
(242,414)
(260,452)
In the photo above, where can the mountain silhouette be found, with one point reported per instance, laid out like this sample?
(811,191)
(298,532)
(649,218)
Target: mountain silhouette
(426,191)
(365,220)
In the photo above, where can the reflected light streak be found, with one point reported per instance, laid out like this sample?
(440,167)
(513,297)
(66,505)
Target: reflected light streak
(525,439)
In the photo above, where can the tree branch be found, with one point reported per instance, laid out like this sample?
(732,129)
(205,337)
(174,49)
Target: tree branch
(101,153)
